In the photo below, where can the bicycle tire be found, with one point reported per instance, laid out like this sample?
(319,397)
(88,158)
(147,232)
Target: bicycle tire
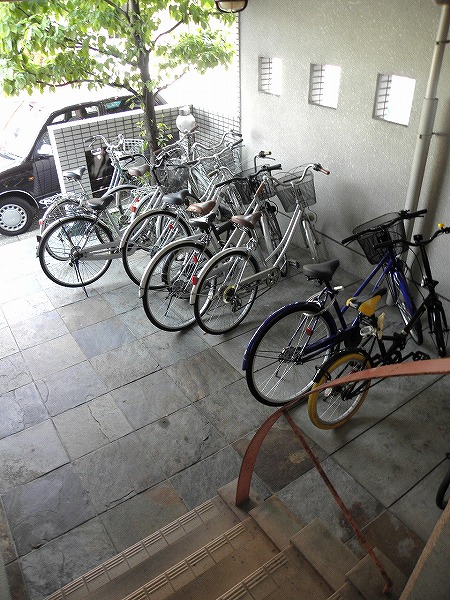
(404,303)
(276,362)
(333,407)
(219,304)
(62,246)
(437,324)
(59,209)
(146,236)
(167,283)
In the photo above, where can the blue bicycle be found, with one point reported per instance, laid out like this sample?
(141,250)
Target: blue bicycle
(283,355)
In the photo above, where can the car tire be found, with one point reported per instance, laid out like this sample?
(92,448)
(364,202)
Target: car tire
(16,215)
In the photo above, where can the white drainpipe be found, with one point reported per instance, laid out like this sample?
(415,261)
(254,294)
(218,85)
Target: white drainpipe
(428,114)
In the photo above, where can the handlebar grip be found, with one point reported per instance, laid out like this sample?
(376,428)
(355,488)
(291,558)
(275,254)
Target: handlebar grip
(264,153)
(347,240)
(406,214)
(274,167)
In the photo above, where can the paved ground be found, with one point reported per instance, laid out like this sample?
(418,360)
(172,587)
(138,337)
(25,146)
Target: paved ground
(110,429)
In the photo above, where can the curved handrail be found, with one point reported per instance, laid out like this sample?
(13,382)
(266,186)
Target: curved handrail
(439,366)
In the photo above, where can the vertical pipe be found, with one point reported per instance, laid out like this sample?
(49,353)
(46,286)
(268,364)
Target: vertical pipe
(427,116)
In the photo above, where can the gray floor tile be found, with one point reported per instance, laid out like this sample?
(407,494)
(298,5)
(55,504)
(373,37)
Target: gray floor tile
(124,298)
(39,329)
(179,440)
(202,374)
(232,411)
(27,307)
(170,347)
(30,454)
(3,321)
(62,560)
(394,454)
(85,312)
(70,387)
(420,500)
(103,336)
(125,364)
(308,497)
(14,373)
(45,508)
(19,287)
(139,517)
(61,296)
(8,343)
(118,471)
(53,356)
(21,408)
(149,398)
(138,323)
(91,426)
(201,481)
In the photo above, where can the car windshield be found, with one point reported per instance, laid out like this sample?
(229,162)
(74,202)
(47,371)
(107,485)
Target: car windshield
(21,129)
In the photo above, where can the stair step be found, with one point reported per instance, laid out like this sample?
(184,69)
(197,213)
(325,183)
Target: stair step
(213,569)
(346,592)
(328,555)
(367,579)
(156,553)
(288,576)
(279,523)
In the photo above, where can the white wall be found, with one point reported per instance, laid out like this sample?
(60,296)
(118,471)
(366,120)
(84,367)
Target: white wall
(370,159)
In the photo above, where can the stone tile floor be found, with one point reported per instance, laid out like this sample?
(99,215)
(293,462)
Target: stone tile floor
(110,429)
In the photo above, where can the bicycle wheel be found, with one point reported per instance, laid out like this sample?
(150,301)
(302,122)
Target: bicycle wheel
(438,328)
(64,207)
(405,304)
(280,361)
(146,236)
(120,207)
(221,301)
(333,407)
(64,249)
(167,283)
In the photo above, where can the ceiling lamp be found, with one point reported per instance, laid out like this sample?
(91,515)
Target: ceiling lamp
(231,6)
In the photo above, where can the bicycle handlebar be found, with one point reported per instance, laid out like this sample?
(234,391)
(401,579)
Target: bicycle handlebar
(263,169)
(403,215)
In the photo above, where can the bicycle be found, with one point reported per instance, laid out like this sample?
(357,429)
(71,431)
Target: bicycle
(166,283)
(228,283)
(145,236)
(123,153)
(334,407)
(282,356)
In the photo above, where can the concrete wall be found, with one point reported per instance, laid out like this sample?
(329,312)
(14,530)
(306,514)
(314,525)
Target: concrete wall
(370,159)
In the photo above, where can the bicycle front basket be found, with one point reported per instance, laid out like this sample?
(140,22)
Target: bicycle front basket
(247,188)
(292,190)
(368,239)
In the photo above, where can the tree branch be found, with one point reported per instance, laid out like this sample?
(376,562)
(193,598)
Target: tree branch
(166,32)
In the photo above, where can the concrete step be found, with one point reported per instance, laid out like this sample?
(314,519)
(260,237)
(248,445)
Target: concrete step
(214,569)
(132,568)
(279,523)
(328,555)
(346,592)
(288,576)
(367,579)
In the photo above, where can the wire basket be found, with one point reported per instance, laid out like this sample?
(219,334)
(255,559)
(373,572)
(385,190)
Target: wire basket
(292,190)
(368,239)
(248,186)
(132,146)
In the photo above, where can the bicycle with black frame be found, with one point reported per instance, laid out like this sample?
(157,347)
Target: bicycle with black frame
(333,407)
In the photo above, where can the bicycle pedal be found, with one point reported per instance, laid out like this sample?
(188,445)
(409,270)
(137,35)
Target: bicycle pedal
(418,355)
(294,263)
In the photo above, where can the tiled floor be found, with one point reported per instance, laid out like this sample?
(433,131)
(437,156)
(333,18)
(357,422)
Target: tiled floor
(110,429)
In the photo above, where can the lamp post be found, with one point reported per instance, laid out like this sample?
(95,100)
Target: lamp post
(231,6)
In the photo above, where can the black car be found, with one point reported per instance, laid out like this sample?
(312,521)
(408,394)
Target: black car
(27,166)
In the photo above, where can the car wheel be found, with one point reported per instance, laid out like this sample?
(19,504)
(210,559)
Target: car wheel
(16,215)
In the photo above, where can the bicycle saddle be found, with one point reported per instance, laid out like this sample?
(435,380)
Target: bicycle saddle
(75,174)
(176,198)
(367,303)
(322,271)
(247,221)
(139,171)
(201,208)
